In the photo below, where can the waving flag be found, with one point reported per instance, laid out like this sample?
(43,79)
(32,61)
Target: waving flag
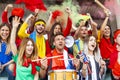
(32,4)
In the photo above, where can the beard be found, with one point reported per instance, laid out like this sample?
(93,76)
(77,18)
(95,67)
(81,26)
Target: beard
(39,32)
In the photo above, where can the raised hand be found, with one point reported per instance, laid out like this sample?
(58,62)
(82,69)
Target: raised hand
(29,17)
(8,6)
(68,10)
(107,12)
(37,11)
(33,18)
(15,21)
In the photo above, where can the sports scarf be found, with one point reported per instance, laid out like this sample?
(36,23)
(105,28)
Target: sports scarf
(27,63)
(40,41)
(57,63)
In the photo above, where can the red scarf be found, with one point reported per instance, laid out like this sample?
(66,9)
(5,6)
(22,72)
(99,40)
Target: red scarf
(26,63)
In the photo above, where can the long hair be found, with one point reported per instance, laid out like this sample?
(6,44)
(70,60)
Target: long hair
(111,37)
(8,38)
(52,32)
(96,51)
(7,25)
(22,49)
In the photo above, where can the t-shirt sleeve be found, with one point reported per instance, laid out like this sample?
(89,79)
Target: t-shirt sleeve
(4,16)
(15,57)
(22,31)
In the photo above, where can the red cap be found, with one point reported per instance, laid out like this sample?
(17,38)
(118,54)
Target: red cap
(17,12)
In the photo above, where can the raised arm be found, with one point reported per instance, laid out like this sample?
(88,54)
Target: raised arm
(93,25)
(31,28)
(15,24)
(32,22)
(49,22)
(22,33)
(69,23)
(82,23)
(4,13)
(104,23)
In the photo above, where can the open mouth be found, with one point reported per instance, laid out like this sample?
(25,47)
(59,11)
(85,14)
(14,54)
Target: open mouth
(29,52)
(39,29)
(93,46)
(60,44)
(4,35)
(84,33)
(107,32)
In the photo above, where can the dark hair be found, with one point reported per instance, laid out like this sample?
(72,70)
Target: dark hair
(59,2)
(57,34)
(11,18)
(5,24)
(52,33)
(111,37)
(10,21)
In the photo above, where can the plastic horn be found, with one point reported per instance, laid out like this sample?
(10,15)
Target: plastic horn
(69,41)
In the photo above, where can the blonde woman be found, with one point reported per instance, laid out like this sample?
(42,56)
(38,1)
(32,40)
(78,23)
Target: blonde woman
(26,69)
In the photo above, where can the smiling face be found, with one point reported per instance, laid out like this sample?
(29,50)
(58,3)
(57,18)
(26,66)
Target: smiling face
(40,28)
(106,31)
(59,42)
(29,48)
(92,43)
(57,29)
(4,32)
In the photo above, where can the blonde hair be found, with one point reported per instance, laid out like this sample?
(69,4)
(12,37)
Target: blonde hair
(22,50)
